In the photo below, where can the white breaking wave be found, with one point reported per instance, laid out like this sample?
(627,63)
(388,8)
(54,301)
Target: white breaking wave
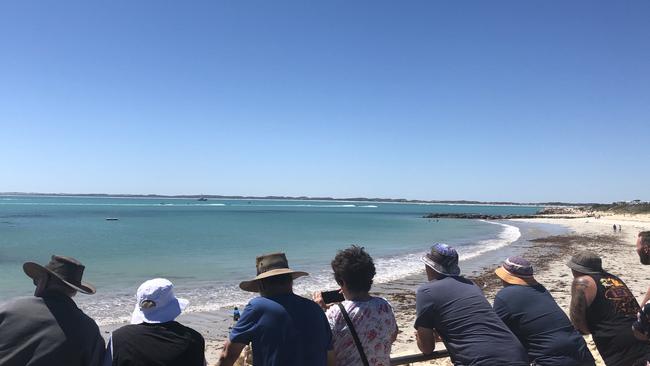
(216,298)
(108,204)
(508,236)
(298,205)
(173,204)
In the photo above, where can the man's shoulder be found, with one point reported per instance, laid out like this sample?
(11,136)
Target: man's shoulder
(20,302)
(128,329)
(193,333)
(20,306)
(308,304)
(451,282)
(513,290)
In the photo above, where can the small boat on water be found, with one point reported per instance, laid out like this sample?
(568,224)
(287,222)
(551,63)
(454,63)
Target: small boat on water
(202,199)
(112,219)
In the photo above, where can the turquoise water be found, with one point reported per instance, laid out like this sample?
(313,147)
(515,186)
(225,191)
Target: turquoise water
(206,248)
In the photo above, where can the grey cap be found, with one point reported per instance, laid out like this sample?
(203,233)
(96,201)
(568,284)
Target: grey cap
(586,262)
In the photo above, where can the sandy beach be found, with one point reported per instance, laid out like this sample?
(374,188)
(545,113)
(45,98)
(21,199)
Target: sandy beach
(549,255)
(547,252)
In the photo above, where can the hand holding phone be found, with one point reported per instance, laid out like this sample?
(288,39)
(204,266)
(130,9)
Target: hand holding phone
(332,296)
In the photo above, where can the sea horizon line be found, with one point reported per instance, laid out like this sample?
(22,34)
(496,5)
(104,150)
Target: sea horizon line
(292,198)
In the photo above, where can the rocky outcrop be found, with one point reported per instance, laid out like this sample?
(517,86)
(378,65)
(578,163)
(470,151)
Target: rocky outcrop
(489,217)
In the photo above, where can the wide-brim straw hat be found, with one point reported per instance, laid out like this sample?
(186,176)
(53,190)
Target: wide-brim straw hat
(270,265)
(67,269)
(516,271)
(586,262)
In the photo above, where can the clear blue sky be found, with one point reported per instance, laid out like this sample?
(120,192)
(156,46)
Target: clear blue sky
(486,100)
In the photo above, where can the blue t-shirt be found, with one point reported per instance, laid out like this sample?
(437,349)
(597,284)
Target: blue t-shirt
(472,332)
(542,327)
(286,330)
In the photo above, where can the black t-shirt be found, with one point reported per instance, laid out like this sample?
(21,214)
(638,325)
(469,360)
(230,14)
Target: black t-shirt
(471,330)
(610,317)
(543,328)
(164,344)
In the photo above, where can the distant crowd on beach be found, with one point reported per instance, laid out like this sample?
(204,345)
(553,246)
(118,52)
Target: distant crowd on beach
(345,327)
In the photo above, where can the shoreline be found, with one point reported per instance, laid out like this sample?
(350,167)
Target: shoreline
(549,255)
(547,242)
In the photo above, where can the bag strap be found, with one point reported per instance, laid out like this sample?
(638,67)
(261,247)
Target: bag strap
(364,360)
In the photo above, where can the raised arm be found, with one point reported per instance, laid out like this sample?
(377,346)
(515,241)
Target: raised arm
(583,292)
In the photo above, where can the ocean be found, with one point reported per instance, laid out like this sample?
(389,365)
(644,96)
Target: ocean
(207,248)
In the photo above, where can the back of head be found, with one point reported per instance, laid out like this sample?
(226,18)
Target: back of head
(276,285)
(585,262)
(56,286)
(157,303)
(355,268)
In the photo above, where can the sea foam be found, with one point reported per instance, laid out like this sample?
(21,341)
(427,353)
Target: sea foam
(215,297)
(509,235)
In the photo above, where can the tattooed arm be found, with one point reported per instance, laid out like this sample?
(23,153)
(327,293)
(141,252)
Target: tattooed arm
(583,292)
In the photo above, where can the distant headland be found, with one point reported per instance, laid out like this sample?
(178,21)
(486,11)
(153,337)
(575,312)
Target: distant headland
(551,208)
(302,198)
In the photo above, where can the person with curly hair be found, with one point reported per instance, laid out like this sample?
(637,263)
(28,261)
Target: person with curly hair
(371,316)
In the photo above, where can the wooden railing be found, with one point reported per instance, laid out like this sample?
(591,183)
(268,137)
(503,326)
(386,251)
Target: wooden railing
(407,360)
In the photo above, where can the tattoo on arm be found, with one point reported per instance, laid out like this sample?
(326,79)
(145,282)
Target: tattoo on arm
(578,310)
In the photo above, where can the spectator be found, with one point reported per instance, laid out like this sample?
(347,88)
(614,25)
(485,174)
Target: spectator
(372,317)
(603,306)
(532,314)
(153,337)
(454,308)
(48,328)
(284,328)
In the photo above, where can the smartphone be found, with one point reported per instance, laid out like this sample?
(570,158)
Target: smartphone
(332,296)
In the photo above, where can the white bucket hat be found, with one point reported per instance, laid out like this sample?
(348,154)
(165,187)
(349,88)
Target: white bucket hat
(156,302)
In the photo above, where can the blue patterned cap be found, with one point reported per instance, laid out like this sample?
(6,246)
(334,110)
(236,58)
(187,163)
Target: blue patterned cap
(443,259)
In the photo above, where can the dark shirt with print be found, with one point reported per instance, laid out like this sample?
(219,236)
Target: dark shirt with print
(610,317)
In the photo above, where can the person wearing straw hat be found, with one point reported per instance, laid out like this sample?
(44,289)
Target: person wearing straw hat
(284,328)
(48,328)
(454,308)
(154,337)
(532,314)
(603,306)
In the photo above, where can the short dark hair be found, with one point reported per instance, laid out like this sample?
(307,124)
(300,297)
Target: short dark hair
(355,268)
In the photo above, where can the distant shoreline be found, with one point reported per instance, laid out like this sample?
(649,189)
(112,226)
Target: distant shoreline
(293,198)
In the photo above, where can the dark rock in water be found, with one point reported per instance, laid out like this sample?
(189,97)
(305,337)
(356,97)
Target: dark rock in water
(473,216)
(476,216)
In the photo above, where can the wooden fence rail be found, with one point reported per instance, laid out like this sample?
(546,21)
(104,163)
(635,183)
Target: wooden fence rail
(407,360)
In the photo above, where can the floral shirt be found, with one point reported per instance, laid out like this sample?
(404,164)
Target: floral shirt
(375,324)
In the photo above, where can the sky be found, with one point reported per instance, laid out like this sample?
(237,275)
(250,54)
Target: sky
(527,101)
